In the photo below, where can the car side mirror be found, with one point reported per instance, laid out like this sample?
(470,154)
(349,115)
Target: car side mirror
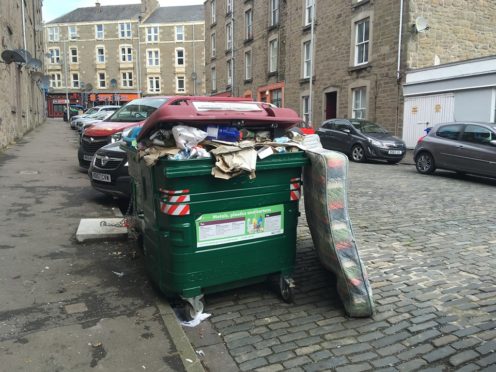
(492,143)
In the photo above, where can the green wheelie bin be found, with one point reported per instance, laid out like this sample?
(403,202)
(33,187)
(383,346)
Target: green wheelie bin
(203,234)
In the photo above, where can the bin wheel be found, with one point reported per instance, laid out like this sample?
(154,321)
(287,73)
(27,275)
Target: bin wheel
(286,289)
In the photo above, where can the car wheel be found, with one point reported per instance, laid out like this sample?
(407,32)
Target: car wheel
(425,163)
(357,153)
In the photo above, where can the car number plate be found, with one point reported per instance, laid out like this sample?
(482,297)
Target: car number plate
(395,152)
(100,177)
(88,157)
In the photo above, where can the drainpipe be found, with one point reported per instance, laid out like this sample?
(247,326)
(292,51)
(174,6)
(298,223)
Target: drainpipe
(310,96)
(233,50)
(398,68)
(194,76)
(138,62)
(66,62)
(25,56)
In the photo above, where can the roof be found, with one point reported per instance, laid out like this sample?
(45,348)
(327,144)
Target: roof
(172,14)
(168,14)
(104,13)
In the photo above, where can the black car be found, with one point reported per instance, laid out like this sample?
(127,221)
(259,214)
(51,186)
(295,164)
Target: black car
(361,140)
(108,171)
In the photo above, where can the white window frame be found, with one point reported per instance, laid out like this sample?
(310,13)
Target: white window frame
(178,80)
(213,78)
(307,59)
(56,80)
(100,35)
(180,59)
(102,47)
(309,4)
(153,56)
(179,33)
(362,44)
(154,84)
(125,30)
(229,6)
(127,56)
(359,103)
(54,57)
(75,83)
(71,56)
(248,65)
(127,79)
(249,24)
(72,33)
(305,108)
(213,12)
(273,54)
(53,33)
(274,13)
(229,36)
(213,45)
(229,71)
(100,81)
(152,34)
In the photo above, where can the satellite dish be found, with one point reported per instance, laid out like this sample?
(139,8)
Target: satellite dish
(45,82)
(34,64)
(36,76)
(10,56)
(113,83)
(27,56)
(421,24)
(88,87)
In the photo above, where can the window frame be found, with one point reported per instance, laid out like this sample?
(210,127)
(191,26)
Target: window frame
(248,66)
(71,49)
(363,109)
(249,24)
(70,34)
(309,12)
(213,78)
(102,47)
(152,34)
(53,34)
(99,80)
(213,11)
(78,80)
(178,79)
(178,58)
(182,33)
(307,59)
(274,13)
(152,88)
(365,43)
(128,53)
(128,31)
(127,79)
(273,54)
(229,6)
(97,32)
(229,71)
(56,83)
(54,59)
(155,57)
(305,108)
(229,36)
(213,45)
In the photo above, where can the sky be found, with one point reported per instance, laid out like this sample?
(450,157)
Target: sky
(56,8)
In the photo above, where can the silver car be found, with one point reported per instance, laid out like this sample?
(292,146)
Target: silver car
(463,147)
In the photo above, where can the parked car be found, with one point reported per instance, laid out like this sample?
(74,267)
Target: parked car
(81,123)
(464,147)
(92,111)
(73,111)
(361,140)
(108,171)
(110,130)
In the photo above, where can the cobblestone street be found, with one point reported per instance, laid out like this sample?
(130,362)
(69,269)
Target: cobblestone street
(429,245)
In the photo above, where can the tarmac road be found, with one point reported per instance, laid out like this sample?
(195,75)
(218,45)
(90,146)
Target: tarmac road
(66,306)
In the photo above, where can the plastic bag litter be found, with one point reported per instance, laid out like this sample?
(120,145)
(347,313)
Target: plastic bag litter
(200,317)
(195,152)
(187,136)
(327,215)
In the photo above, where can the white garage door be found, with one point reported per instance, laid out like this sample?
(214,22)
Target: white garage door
(425,111)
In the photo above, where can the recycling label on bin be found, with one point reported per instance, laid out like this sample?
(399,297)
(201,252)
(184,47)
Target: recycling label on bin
(241,225)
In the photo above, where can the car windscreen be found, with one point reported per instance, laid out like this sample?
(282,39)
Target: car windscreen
(365,126)
(91,111)
(137,110)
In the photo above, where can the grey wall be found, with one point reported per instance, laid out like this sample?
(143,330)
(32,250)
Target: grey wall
(474,105)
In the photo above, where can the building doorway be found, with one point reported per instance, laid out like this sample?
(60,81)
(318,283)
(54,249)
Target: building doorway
(331,104)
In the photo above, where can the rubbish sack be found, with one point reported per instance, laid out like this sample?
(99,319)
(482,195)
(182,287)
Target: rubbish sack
(326,207)
(187,136)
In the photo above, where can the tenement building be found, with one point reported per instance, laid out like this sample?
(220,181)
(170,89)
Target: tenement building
(113,54)
(21,48)
(351,58)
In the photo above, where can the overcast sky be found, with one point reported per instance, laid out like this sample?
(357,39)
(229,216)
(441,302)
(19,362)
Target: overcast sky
(55,8)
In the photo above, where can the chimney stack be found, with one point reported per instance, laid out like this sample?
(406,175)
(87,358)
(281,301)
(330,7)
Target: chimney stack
(97,5)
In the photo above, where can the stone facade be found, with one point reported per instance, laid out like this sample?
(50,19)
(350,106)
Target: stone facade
(112,62)
(344,83)
(21,100)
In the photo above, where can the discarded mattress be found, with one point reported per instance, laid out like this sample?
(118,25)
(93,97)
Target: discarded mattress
(325,190)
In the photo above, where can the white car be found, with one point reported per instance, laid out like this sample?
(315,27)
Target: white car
(92,111)
(92,119)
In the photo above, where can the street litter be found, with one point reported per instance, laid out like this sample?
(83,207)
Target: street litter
(120,275)
(199,317)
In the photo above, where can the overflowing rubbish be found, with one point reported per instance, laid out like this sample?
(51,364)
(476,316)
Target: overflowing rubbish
(326,209)
(187,136)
